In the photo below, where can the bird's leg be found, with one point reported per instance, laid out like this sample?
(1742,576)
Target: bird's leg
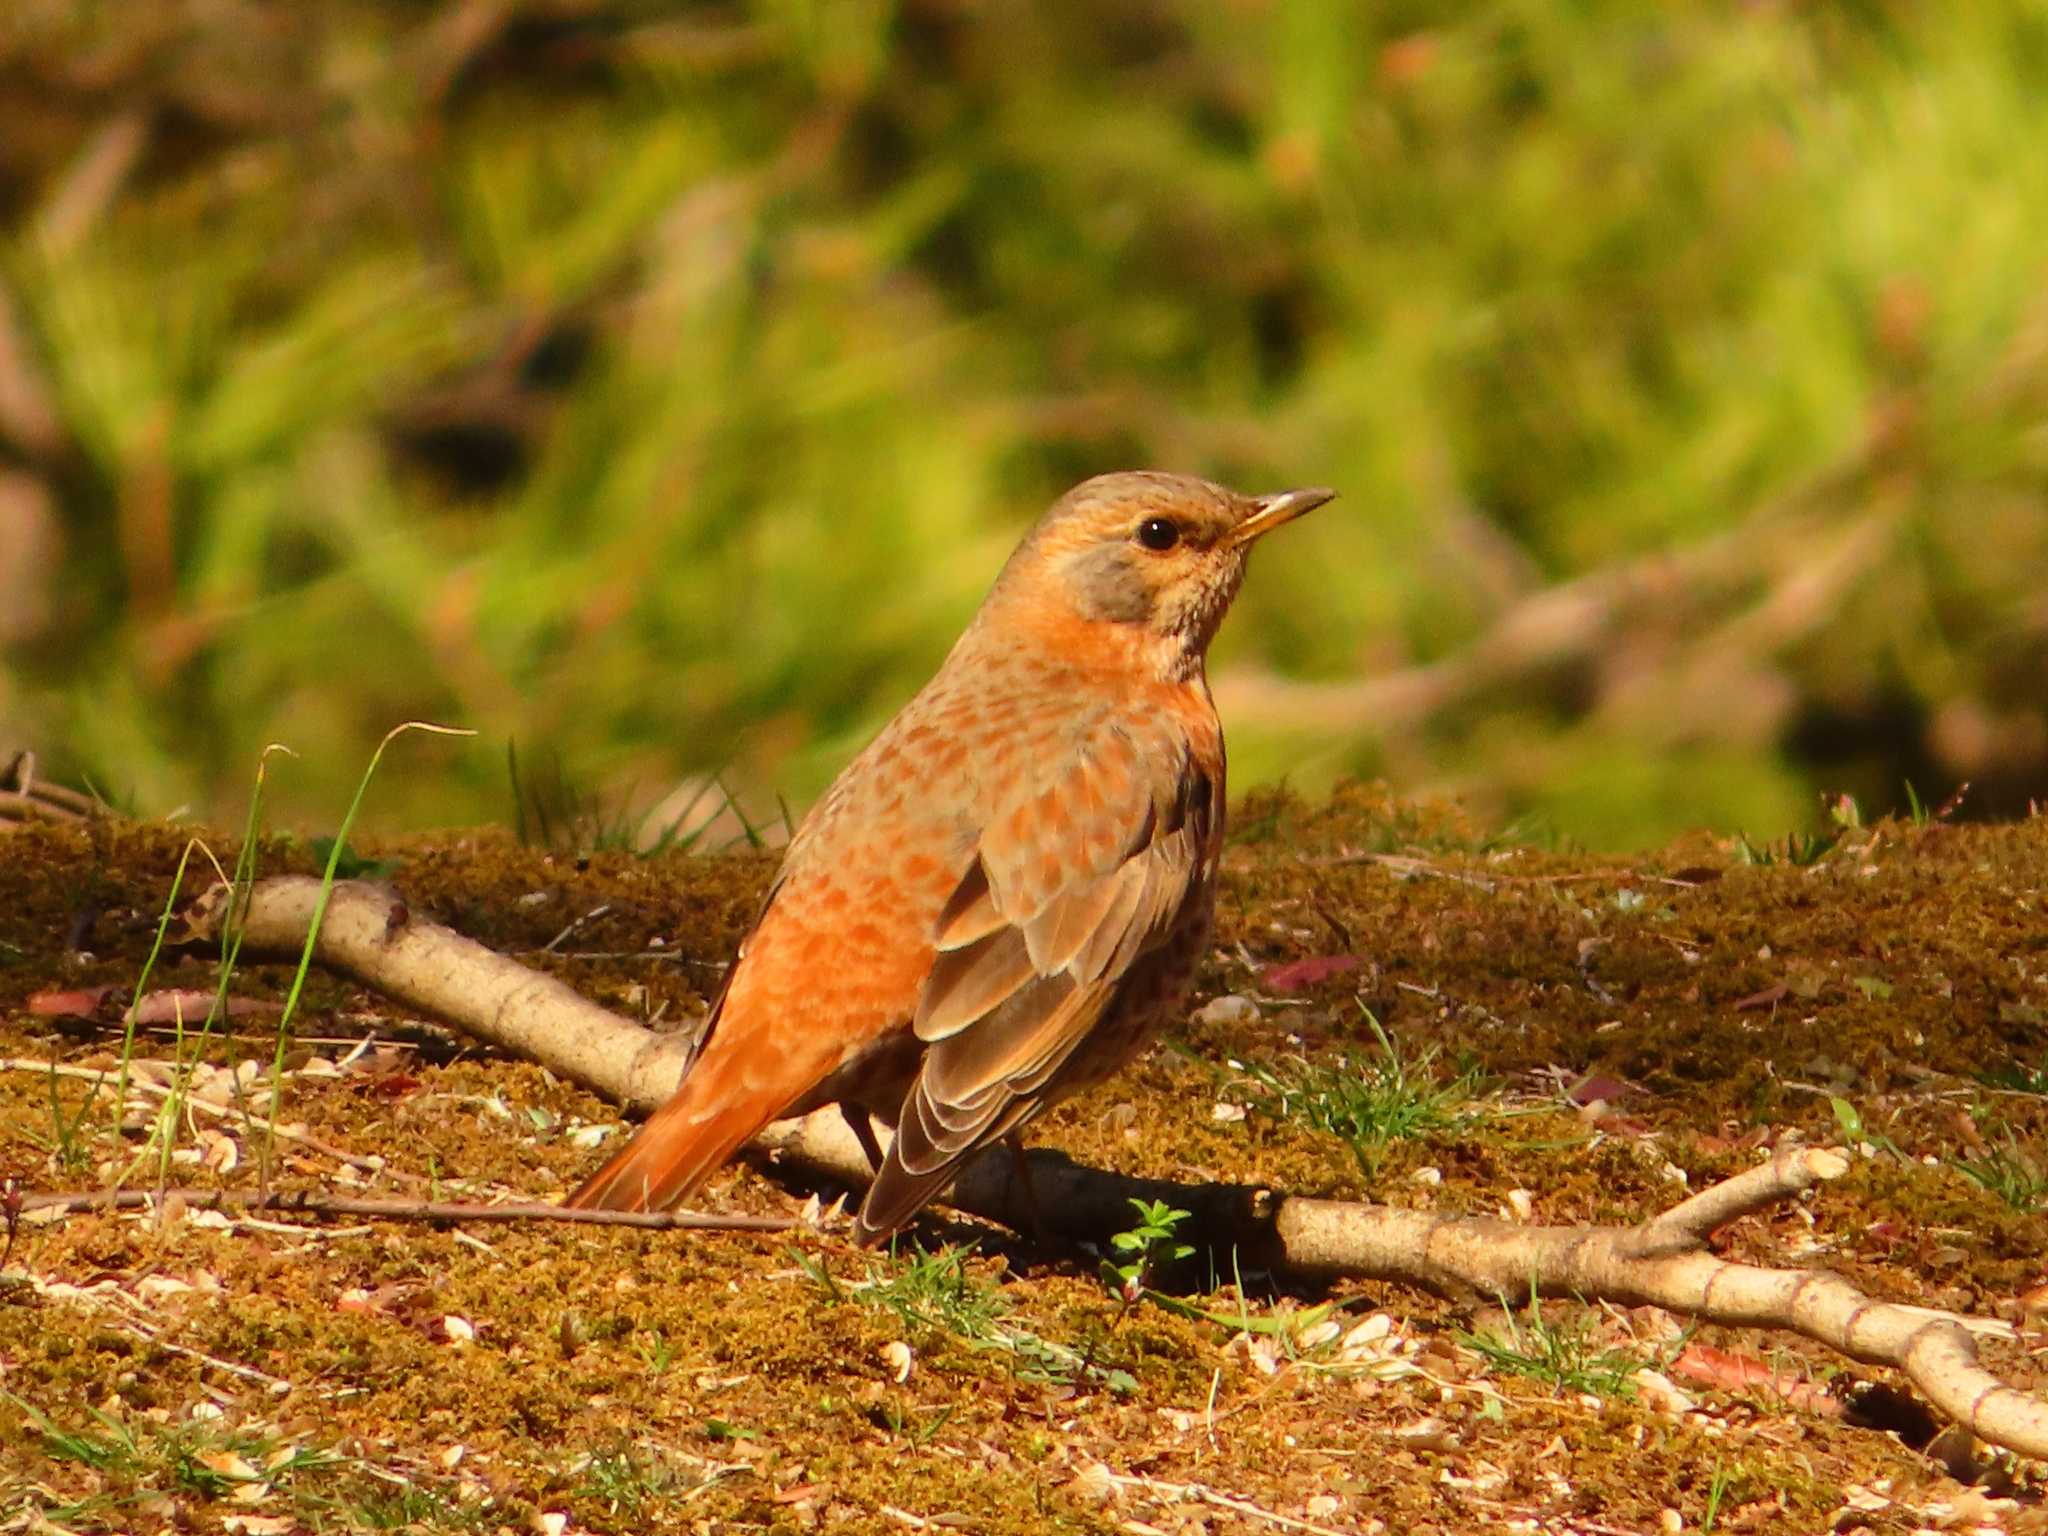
(861,1121)
(1027,1192)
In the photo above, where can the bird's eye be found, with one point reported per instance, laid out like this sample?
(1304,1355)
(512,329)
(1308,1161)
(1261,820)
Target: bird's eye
(1158,533)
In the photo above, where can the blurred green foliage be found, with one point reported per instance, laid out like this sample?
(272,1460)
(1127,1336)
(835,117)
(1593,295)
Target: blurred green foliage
(661,385)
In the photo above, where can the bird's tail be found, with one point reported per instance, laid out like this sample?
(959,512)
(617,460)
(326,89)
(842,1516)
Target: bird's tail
(682,1143)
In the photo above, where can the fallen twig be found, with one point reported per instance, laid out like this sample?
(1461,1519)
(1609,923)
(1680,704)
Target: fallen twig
(1201,1493)
(307,1202)
(191,1102)
(370,936)
(25,797)
(136,1318)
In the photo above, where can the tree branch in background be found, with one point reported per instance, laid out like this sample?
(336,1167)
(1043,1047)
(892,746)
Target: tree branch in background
(26,797)
(1729,603)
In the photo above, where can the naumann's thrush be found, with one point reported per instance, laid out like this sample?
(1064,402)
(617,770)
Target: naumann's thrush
(997,901)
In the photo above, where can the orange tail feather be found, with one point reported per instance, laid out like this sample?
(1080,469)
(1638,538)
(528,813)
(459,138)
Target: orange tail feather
(682,1144)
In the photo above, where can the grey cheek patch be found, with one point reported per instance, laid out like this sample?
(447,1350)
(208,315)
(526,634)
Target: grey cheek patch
(1109,585)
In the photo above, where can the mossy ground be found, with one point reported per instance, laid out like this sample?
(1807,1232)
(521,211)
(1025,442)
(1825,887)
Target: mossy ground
(209,1374)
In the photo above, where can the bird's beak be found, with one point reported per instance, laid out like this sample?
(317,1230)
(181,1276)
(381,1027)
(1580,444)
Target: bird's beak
(1269,512)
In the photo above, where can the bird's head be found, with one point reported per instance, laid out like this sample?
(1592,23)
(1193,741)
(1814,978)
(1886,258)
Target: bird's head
(1154,557)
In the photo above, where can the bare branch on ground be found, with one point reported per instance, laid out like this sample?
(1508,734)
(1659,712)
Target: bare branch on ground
(306,1202)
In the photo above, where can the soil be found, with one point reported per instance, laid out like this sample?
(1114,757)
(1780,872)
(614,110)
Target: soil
(1574,1039)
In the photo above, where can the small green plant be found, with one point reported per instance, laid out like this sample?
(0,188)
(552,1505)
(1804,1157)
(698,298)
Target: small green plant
(2018,1077)
(1717,1490)
(298,984)
(171,1113)
(107,1446)
(2008,1172)
(1532,829)
(138,1464)
(1366,1100)
(1916,808)
(1800,849)
(189,1045)
(377,1502)
(631,1483)
(935,1289)
(70,1141)
(549,810)
(1920,814)
(1154,1241)
(889,1415)
(935,1292)
(656,1351)
(1849,1121)
(1563,1356)
(1807,848)
(350,865)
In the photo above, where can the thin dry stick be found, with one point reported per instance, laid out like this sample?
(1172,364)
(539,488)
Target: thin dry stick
(1201,1493)
(55,1068)
(147,1328)
(25,797)
(1662,1262)
(231,1112)
(277,1384)
(137,1319)
(305,1202)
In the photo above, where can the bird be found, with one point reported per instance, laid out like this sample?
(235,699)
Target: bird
(1006,891)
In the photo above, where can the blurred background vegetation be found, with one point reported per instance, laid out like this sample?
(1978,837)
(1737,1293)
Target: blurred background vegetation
(660,385)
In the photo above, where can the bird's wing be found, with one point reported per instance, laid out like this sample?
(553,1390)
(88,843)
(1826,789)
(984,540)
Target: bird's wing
(1068,886)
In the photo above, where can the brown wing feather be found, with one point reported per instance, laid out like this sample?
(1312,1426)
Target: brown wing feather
(1065,928)
(965,984)
(1032,953)
(936,1133)
(970,913)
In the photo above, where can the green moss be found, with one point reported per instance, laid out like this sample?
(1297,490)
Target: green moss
(649,1382)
